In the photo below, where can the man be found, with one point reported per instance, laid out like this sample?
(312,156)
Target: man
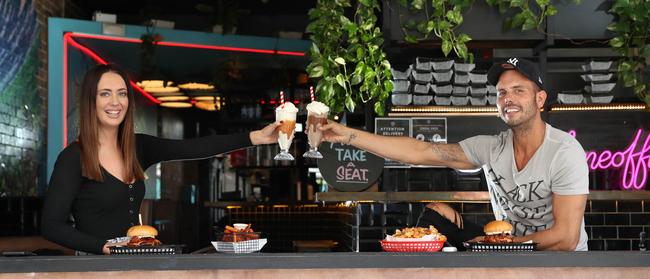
(537,175)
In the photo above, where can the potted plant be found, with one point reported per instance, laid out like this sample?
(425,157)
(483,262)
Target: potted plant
(631,28)
(346,56)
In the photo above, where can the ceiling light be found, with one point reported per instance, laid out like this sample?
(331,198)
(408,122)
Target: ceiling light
(163,90)
(196,86)
(207,98)
(176,105)
(209,106)
(173,98)
(154,83)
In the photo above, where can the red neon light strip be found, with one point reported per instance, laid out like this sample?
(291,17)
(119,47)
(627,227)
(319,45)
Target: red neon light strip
(86,51)
(188,45)
(107,38)
(100,60)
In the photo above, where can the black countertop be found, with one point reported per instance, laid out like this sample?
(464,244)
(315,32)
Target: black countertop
(324,260)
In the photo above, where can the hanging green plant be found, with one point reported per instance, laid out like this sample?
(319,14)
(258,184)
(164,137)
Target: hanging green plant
(442,17)
(529,16)
(631,27)
(346,56)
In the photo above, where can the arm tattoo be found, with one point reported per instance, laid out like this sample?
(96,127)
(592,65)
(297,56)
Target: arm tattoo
(447,152)
(352,137)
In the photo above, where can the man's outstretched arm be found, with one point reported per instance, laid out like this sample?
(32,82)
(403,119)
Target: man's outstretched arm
(403,149)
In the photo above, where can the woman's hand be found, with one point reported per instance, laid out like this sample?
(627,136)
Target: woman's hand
(337,133)
(107,245)
(266,135)
(105,249)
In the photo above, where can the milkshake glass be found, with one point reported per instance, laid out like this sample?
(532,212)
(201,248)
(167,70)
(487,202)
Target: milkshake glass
(286,114)
(316,117)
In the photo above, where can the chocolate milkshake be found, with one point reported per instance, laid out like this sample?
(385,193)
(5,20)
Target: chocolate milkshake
(316,117)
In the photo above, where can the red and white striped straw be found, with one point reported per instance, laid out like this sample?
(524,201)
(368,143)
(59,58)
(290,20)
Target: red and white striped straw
(311,93)
(282,98)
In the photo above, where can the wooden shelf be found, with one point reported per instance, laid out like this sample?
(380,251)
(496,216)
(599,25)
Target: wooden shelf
(451,196)
(269,167)
(415,111)
(235,204)
(599,107)
(397,111)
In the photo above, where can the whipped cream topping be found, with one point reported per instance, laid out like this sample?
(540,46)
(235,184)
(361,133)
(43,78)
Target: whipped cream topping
(287,107)
(317,107)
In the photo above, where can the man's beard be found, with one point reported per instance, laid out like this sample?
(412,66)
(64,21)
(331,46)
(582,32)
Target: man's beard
(523,120)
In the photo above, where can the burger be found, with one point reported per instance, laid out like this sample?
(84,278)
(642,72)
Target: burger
(142,235)
(498,232)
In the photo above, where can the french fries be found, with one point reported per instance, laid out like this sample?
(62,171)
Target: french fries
(232,234)
(419,232)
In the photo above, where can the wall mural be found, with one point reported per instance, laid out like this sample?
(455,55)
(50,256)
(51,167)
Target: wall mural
(22,125)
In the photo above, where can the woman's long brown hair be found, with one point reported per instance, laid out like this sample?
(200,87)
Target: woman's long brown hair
(89,127)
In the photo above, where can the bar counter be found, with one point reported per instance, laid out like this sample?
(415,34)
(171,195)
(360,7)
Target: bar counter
(539,264)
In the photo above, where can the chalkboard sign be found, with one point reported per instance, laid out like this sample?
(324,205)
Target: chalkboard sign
(395,127)
(347,168)
(430,129)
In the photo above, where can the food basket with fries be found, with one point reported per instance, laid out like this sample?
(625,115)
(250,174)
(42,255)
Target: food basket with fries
(240,238)
(415,239)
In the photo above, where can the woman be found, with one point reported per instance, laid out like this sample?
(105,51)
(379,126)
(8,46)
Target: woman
(99,179)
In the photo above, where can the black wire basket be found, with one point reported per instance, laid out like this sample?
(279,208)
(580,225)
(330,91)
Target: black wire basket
(147,250)
(499,247)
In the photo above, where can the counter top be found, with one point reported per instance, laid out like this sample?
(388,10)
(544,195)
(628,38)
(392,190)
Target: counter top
(343,260)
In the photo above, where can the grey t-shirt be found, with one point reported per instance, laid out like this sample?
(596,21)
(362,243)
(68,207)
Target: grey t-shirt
(524,198)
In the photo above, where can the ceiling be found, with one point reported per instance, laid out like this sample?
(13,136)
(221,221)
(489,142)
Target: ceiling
(252,17)
(259,72)
(183,64)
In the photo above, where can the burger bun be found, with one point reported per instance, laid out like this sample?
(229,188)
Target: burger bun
(142,231)
(497,227)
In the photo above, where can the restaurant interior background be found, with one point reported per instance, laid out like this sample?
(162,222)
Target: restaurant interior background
(187,200)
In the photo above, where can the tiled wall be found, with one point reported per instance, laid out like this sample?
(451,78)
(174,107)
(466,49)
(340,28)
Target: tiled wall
(611,225)
(23,93)
(615,225)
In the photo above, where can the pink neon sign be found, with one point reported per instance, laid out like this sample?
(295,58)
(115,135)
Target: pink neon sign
(634,160)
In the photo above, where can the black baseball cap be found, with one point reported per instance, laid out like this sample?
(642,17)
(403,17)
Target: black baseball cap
(523,66)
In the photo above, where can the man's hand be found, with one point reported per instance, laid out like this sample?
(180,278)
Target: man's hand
(479,238)
(337,133)
(266,135)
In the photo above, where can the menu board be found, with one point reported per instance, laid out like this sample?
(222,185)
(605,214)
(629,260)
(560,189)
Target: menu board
(347,168)
(396,127)
(430,129)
